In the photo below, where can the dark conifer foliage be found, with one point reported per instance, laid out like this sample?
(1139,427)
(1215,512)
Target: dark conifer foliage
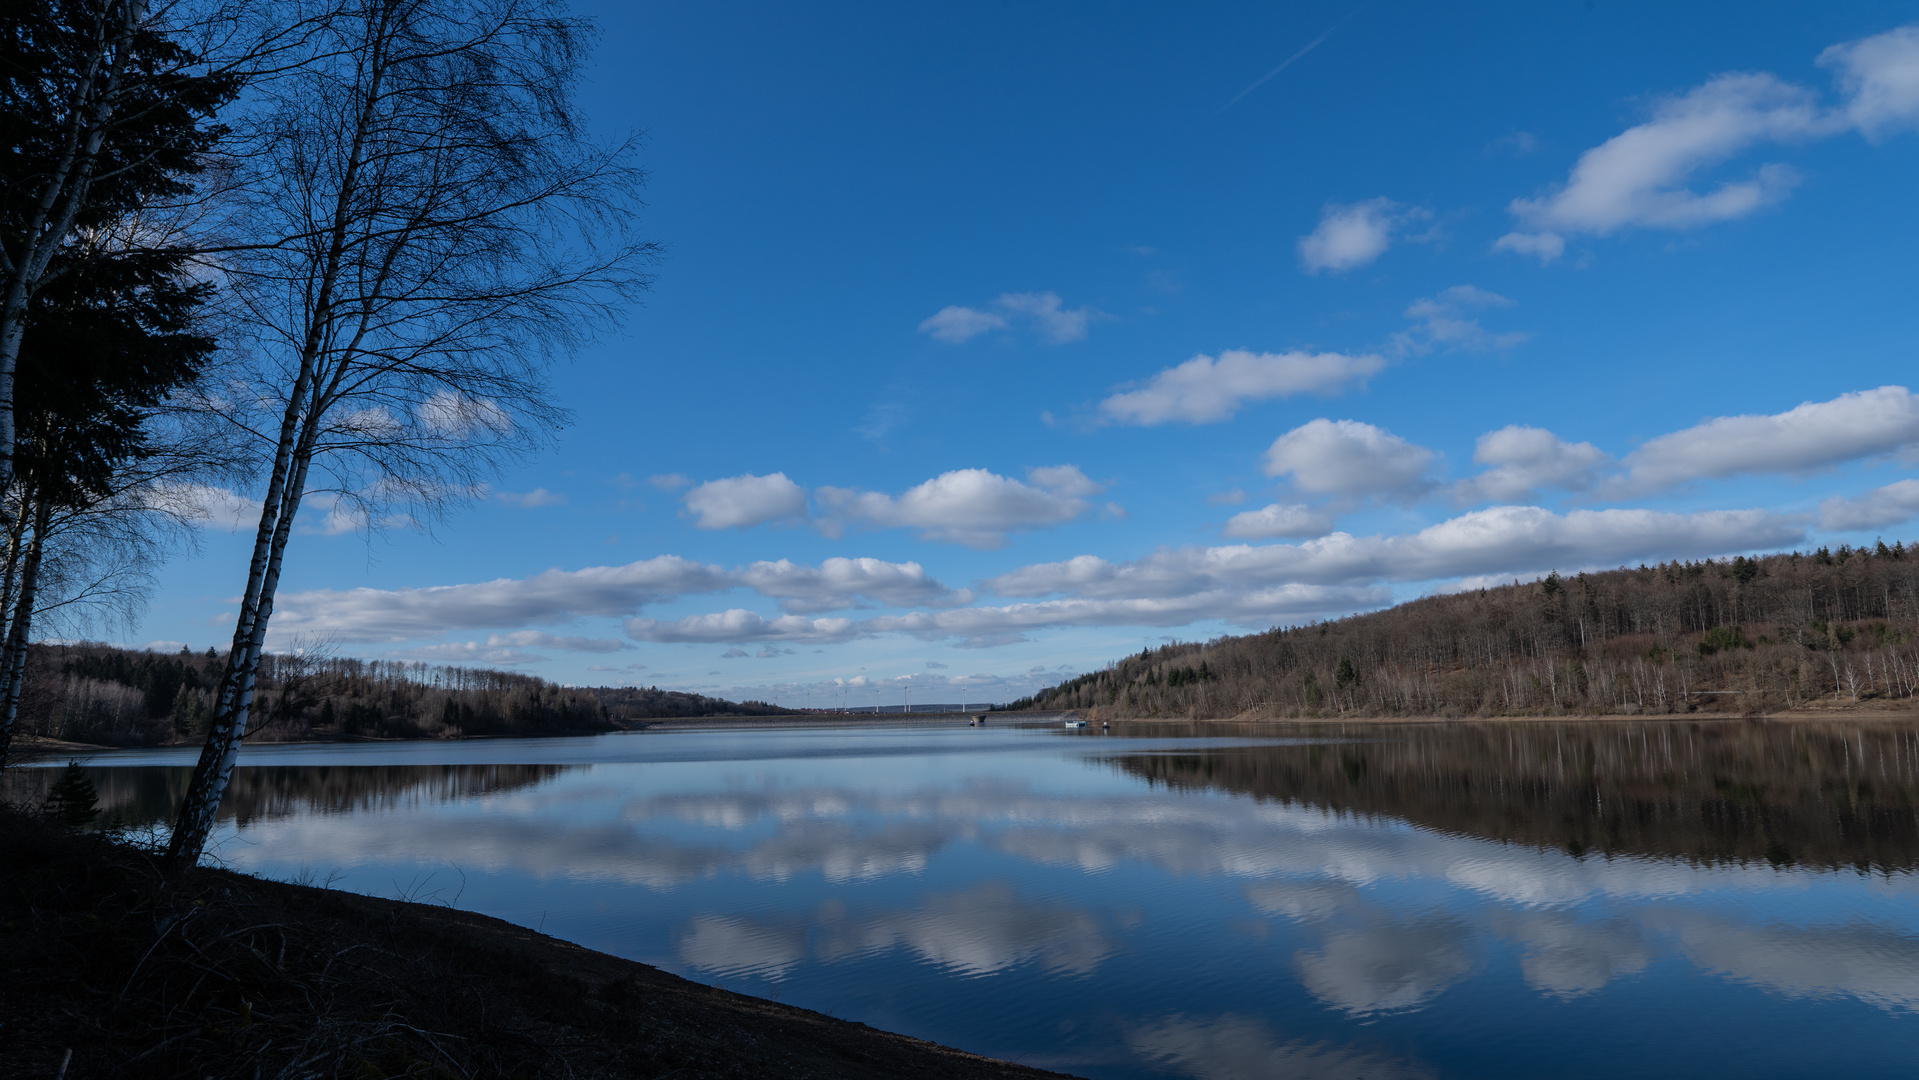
(1739,636)
(104,347)
(105,117)
(73,802)
(157,124)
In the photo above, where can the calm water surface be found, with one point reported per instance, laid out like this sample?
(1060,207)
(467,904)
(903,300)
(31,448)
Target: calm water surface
(1671,899)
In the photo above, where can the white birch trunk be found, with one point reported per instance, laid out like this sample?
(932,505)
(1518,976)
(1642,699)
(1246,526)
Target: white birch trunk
(64,193)
(22,627)
(227,729)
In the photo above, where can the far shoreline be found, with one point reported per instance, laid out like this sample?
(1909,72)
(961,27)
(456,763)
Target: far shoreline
(29,750)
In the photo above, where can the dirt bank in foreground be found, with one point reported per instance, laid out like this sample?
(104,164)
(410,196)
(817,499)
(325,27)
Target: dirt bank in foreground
(231,976)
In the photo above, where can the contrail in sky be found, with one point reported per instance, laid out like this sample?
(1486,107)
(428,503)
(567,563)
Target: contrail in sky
(1288,62)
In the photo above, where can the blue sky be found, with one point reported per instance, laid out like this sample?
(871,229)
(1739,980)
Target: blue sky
(994,341)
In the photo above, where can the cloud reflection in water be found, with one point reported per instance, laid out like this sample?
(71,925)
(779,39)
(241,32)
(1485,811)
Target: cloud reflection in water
(1579,925)
(1234,1047)
(975,932)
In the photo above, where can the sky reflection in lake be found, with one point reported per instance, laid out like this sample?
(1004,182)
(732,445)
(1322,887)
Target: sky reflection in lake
(1465,900)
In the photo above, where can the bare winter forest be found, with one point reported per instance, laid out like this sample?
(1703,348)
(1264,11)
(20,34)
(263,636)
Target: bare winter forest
(120,697)
(1743,636)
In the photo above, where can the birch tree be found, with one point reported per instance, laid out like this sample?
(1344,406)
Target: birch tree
(426,227)
(99,448)
(103,111)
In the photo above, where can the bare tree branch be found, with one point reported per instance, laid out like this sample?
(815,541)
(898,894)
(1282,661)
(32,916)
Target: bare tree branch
(420,228)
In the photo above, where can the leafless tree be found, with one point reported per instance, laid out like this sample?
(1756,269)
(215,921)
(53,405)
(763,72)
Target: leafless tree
(304,676)
(426,227)
(84,562)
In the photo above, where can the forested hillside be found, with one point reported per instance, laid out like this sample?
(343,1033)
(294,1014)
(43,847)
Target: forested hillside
(1745,635)
(121,697)
(625,703)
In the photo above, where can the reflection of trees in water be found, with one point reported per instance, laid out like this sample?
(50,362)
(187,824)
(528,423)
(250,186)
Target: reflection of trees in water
(1815,794)
(147,795)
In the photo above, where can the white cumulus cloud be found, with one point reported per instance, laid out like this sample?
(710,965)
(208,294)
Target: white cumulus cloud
(540,639)
(973,507)
(218,507)
(531,500)
(1814,435)
(1350,235)
(1251,585)
(1643,177)
(1499,539)
(1349,458)
(1444,322)
(1049,315)
(1043,312)
(1640,176)
(738,625)
(1544,246)
(468,652)
(458,416)
(1264,606)
(559,595)
(1204,390)
(1262,585)
(1880,75)
(839,583)
(1894,504)
(956,324)
(1525,460)
(340,517)
(551,596)
(740,502)
(1279,521)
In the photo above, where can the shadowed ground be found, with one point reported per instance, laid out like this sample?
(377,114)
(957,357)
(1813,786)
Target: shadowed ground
(226,975)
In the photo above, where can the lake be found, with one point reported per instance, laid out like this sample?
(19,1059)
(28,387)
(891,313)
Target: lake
(1208,901)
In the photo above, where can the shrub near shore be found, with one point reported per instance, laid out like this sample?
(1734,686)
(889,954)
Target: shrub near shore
(1745,635)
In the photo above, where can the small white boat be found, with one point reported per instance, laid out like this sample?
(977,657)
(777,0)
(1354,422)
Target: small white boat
(1075,723)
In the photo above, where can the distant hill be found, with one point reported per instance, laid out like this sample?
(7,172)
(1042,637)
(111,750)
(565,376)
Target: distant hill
(124,697)
(1745,635)
(651,702)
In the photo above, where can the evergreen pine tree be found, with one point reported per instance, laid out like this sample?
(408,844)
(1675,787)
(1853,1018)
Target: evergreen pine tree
(182,714)
(73,802)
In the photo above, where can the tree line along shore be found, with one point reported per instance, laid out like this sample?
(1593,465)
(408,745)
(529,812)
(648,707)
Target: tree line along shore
(1771,634)
(1743,636)
(107,696)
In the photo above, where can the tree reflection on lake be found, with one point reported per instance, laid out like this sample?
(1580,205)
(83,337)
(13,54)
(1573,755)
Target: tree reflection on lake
(1213,901)
(1827,795)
